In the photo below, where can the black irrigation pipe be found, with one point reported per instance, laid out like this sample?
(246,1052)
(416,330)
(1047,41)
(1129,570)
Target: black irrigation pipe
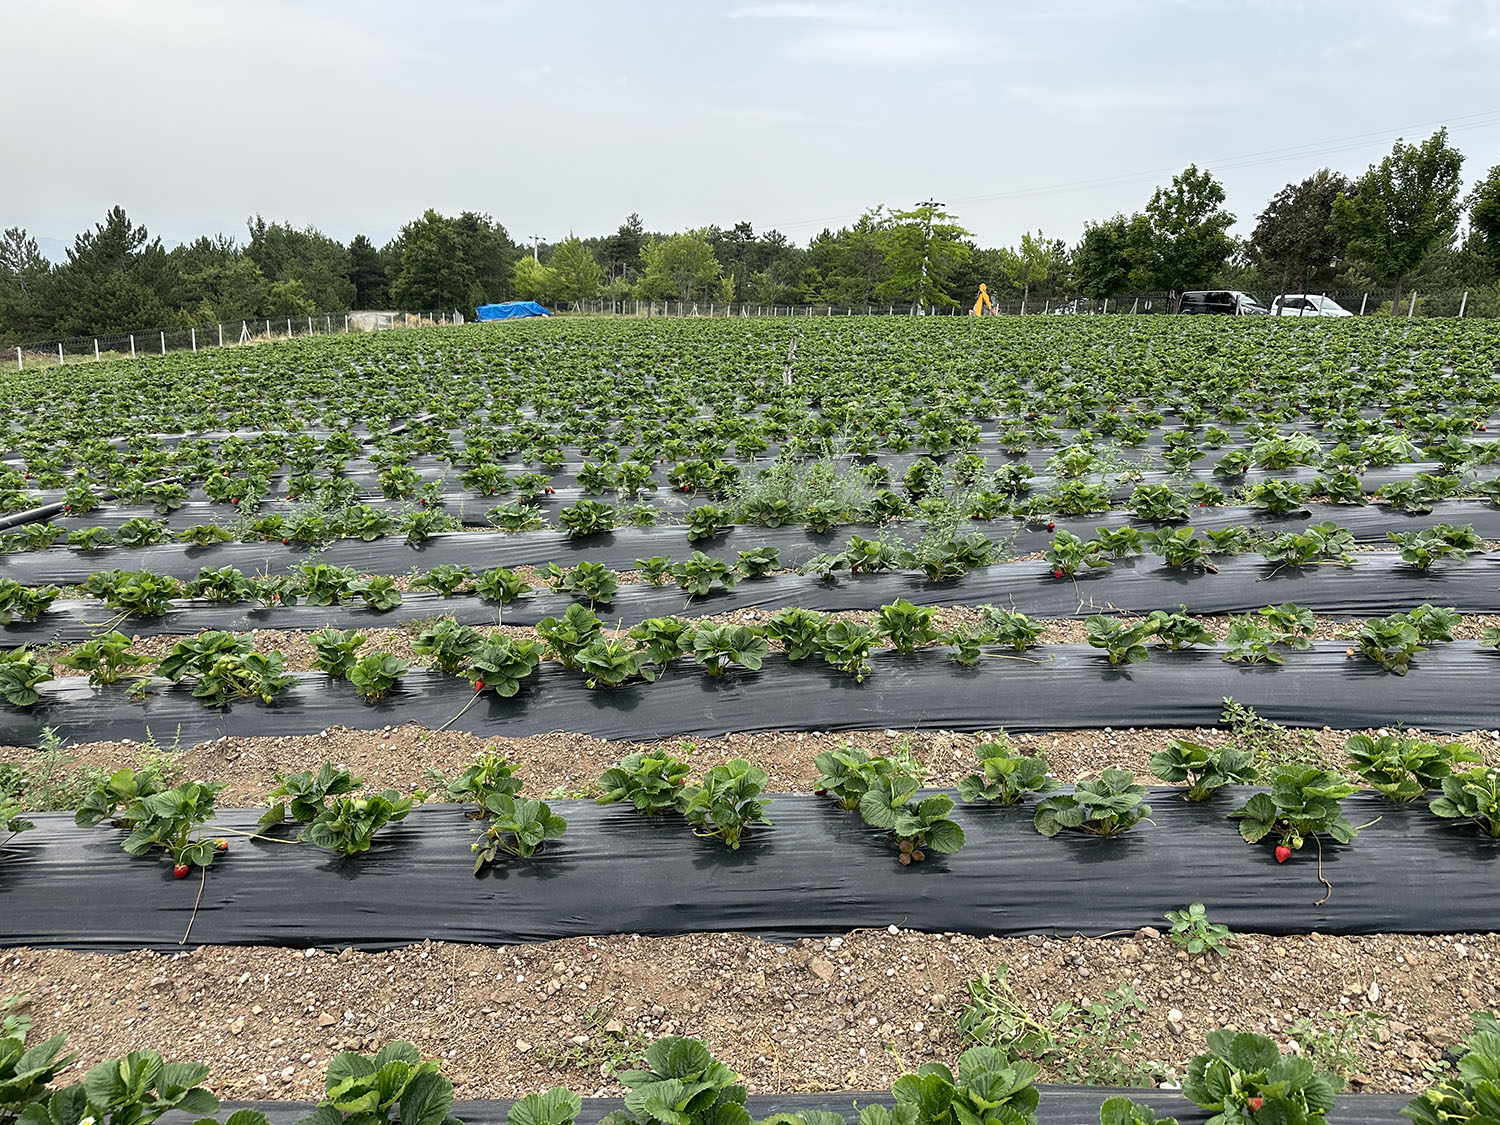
(816,870)
(1059,1105)
(1449,688)
(619,549)
(1378,584)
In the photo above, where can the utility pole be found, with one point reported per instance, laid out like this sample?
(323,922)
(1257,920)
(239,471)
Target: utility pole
(536,242)
(931,206)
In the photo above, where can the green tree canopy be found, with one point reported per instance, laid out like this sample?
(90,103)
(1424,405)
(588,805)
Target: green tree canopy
(1402,209)
(532,281)
(320,263)
(1293,245)
(1484,221)
(25,284)
(682,266)
(1189,231)
(367,275)
(117,278)
(922,247)
(578,274)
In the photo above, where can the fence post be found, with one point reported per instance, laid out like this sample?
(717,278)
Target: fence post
(20,363)
(96,347)
(288,328)
(132,345)
(221,335)
(268,329)
(164,341)
(193,329)
(309,326)
(59,354)
(1463,304)
(1411,308)
(346,322)
(1362,302)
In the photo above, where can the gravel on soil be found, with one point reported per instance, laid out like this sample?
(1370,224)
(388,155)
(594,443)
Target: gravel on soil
(822,1014)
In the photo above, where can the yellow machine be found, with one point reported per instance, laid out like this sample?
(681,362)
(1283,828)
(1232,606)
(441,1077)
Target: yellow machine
(982,302)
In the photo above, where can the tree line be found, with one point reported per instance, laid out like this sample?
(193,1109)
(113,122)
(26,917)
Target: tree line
(1397,226)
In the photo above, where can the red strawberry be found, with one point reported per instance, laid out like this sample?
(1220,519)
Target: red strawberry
(284,542)
(181,871)
(1283,853)
(221,845)
(1057,573)
(234,499)
(478,685)
(1051,526)
(1256,1103)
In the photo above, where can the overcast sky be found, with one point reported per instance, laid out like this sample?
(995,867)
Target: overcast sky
(795,114)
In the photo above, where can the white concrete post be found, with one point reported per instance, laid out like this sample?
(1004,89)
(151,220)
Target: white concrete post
(194,334)
(1463,304)
(59,354)
(1362,302)
(221,335)
(132,345)
(96,347)
(164,342)
(268,329)
(288,328)
(1411,308)
(20,363)
(309,326)
(346,322)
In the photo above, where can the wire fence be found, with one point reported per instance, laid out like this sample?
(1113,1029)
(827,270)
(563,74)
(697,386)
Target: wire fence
(1444,303)
(160,341)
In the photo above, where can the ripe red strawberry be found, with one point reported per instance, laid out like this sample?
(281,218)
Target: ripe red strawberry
(1057,573)
(478,685)
(181,871)
(1283,853)
(284,542)
(234,499)
(1051,526)
(221,845)
(1256,1103)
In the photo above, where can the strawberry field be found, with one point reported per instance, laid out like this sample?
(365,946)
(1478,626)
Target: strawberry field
(830,703)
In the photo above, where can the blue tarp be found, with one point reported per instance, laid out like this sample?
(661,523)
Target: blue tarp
(510,310)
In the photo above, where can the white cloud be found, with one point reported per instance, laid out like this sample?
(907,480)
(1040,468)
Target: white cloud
(848,12)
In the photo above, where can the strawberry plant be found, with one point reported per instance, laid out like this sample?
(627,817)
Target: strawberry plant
(518,826)
(347,823)
(1342,487)
(798,631)
(587,517)
(489,775)
(221,584)
(378,591)
(204,535)
(1068,552)
(24,603)
(610,662)
(1392,642)
(1260,637)
(569,634)
(706,521)
(119,790)
(1230,541)
(1181,548)
(758,562)
(847,646)
(991,1089)
(727,804)
(1078,498)
(1010,628)
(136,593)
(1279,497)
(657,570)
(1404,769)
(516,517)
(334,650)
(1243,1077)
(699,572)
(1418,495)
(1206,769)
(12,824)
(663,639)
(169,819)
(375,673)
(1158,503)
(594,581)
(1440,542)
(323,584)
(138,531)
(907,627)
(1106,807)
(652,782)
(557,1106)
(848,773)
(303,795)
(392,1087)
(20,673)
(1471,1096)
(106,659)
(822,516)
(445,579)
(1176,631)
(721,647)
(361,521)
(681,1083)
(134,1090)
(1122,642)
(967,646)
(90,539)
(449,646)
(502,663)
(1119,542)
(1004,776)
(501,585)
(1318,543)
(1474,795)
(865,556)
(1192,930)
(1303,803)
